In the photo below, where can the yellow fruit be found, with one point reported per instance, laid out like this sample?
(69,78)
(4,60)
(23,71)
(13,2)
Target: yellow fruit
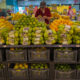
(54,25)
(16,16)
(20,65)
(18,70)
(16,67)
(55,15)
(5,24)
(26,66)
(11,48)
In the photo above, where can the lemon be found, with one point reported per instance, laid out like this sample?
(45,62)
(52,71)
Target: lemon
(20,65)
(16,67)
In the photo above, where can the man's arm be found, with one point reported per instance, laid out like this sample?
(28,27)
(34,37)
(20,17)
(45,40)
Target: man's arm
(48,16)
(4,14)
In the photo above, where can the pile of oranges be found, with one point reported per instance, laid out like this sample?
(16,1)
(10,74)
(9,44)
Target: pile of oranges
(54,25)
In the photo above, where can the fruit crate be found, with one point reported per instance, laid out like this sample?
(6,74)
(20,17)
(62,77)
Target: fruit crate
(2,74)
(1,55)
(78,74)
(79,55)
(69,75)
(39,55)
(39,74)
(16,55)
(65,55)
(18,74)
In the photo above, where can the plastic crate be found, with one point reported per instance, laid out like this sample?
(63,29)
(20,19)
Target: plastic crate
(78,74)
(0,55)
(2,79)
(79,55)
(16,55)
(65,55)
(18,74)
(2,74)
(38,74)
(37,55)
(60,75)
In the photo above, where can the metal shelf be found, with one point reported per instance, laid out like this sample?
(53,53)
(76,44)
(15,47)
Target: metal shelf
(29,46)
(65,62)
(27,61)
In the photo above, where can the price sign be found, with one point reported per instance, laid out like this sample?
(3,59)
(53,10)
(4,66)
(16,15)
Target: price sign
(4,46)
(77,45)
(60,45)
(78,26)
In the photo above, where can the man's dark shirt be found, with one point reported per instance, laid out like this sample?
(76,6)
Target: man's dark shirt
(2,14)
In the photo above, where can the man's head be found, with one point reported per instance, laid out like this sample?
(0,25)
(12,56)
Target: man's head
(70,7)
(42,4)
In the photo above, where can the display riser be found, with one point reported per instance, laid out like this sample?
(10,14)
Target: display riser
(51,62)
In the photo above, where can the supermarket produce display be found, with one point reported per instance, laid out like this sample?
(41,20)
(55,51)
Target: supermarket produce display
(33,50)
(29,30)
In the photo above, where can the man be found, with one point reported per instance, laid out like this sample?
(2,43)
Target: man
(2,14)
(9,12)
(44,12)
(70,12)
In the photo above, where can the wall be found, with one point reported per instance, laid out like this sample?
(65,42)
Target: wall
(3,4)
(37,2)
(12,3)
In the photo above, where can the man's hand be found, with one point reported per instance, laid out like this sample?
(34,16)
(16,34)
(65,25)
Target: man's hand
(45,17)
(38,17)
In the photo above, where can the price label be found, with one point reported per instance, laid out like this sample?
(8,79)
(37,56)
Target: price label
(60,45)
(77,45)
(78,26)
(67,26)
(4,46)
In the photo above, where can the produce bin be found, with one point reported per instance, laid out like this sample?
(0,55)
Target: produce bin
(69,75)
(39,55)
(21,74)
(1,74)
(16,55)
(65,55)
(79,55)
(78,74)
(1,55)
(39,74)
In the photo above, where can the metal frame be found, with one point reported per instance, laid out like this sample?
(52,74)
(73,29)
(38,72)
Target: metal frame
(51,62)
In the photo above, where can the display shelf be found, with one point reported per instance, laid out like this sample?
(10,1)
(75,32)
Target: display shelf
(51,62)
(27,62)
(41,62)
(29,46)
(65,62)
(78,62)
